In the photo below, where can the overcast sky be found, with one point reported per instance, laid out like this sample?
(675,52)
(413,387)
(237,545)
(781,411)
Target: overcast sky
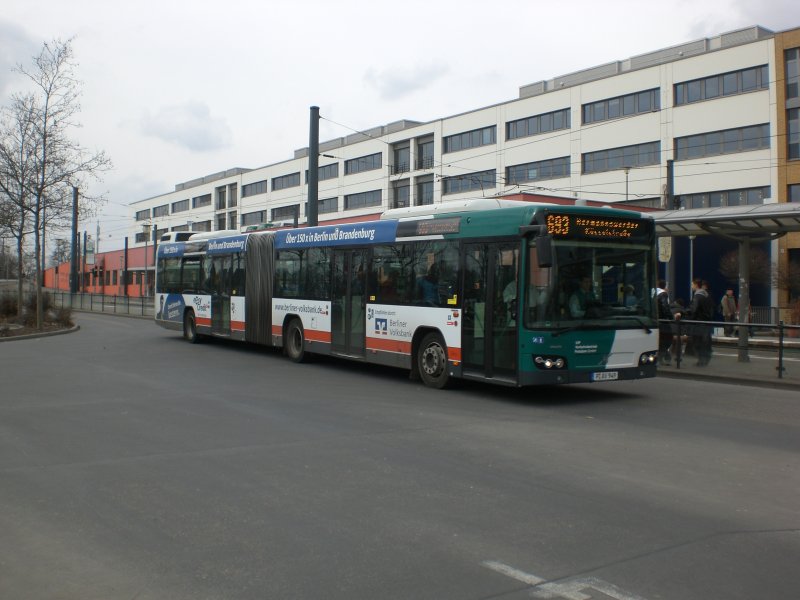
(177,89)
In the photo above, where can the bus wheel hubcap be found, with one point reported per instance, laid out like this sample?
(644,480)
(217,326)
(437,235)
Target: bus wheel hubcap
(432,360)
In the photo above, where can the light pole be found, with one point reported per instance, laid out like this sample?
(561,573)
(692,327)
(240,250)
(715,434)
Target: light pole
(691,264)
(627,171)
(146,232)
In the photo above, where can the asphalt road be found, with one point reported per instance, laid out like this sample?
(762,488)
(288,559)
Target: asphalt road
(136,466)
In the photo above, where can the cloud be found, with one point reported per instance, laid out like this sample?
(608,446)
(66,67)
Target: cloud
(189,125)
(394,83)
(17,47)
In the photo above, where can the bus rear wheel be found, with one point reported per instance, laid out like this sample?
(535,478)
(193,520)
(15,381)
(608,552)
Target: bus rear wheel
(295,345)
(189,328)
(432,361)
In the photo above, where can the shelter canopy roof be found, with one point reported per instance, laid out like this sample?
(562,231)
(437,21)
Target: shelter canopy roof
(734,221)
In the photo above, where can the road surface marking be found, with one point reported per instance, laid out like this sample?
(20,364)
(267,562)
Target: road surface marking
(569,589)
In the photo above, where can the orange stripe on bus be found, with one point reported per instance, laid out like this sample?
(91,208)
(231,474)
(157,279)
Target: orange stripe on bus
(237,325)
(203,321)
(388,345)
(454,354)
(313,335)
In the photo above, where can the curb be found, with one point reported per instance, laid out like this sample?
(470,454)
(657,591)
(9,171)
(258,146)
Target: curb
(764,383)
(31,336)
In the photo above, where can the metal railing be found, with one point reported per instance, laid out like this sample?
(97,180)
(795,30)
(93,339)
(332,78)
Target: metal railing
(775,338)
(121,305)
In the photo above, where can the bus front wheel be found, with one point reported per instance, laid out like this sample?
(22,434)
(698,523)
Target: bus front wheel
(432,361)
(189,328)
(295,341)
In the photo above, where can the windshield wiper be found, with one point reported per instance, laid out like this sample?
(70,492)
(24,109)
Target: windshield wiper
(637,318)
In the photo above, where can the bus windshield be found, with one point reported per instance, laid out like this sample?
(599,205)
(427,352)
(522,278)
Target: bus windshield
(591,284)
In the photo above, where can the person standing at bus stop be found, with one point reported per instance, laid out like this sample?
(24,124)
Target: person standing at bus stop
(700,309)
(730,309)
(664,323)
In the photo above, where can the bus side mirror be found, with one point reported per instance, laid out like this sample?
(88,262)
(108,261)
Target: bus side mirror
(544,251)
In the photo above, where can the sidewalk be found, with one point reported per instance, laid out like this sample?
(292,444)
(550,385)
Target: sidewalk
(760,370)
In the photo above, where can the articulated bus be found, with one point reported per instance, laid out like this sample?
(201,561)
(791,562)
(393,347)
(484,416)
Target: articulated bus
(508,292)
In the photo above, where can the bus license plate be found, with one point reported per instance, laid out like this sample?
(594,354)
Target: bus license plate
(605,376)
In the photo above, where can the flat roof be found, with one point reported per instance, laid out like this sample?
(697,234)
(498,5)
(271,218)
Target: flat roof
(748,220)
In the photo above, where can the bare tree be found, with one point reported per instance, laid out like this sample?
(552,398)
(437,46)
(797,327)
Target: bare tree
(61,252)
(760,266)
(47,162)
(17,168)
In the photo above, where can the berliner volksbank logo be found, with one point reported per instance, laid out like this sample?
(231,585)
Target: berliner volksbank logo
(382,326)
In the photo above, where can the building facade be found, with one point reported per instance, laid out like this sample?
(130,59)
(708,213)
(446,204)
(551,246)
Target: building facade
(723,111)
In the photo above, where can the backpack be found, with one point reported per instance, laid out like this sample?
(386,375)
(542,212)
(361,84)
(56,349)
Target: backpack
(662,301)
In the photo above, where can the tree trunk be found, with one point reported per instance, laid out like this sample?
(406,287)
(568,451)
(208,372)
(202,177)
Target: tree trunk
(20,296)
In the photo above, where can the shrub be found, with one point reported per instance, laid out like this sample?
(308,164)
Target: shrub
(47,302)
(8,305)
(64,316)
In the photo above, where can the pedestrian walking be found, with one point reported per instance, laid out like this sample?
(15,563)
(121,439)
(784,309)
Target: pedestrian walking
(664,323)
(701,308)
(729,308)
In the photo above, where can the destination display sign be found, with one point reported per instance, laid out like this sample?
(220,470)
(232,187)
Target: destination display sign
(594,227)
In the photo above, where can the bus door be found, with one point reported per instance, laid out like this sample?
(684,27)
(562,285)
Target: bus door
(489,327)
(348,306)
(221,294)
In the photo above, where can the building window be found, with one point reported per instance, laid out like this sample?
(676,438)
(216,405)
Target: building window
(402,158)
(142,237)
(327,172)
(639,155)
(362,200)
(251,189)
(161,211)
(232,220)
(470,139)
(793,194)
(740,197)
(535,171)
(284,213)
(425,157)
(401,194)
(544,123)
(202,226)
(232,195)
(792,59)
(253,218)
(424,190)
(221,193)
(622,106)
(180,228)
(221,222)
(793,129)
(326,205)
(200,201)
(143,215)
(180,206)
(728,141)
(363,163)
(459,184)
(285,181)
(725,84)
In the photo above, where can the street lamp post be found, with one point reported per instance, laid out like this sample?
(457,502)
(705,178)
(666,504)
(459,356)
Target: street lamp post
(627,171)
(691,264)
(146,232)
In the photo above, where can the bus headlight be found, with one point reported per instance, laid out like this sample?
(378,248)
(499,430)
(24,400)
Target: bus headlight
(648,358)
(549,362)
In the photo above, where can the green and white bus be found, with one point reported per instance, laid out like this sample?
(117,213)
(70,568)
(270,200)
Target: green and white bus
(509,292)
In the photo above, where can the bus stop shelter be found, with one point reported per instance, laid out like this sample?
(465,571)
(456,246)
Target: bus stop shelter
(744,225)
